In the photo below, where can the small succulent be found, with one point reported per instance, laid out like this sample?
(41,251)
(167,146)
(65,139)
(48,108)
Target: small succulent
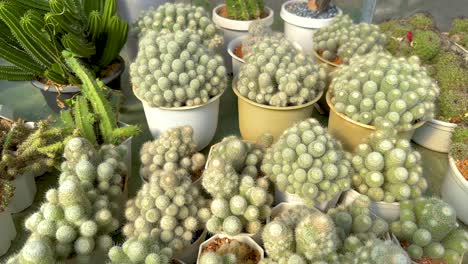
(275,73)
(343,39)
(429,226)
(140,250)
(178,17)
(308,162)
(377,87)
(176,70)
(258,30)
(228,251)
(245,10)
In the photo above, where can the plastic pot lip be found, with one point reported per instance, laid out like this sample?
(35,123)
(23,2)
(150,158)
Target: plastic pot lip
(332,108)
(379,203)
(458,176)
(75,88)
(233,44)
(238,25)
(442,123)
(182,108)
(305,22)
(320,58)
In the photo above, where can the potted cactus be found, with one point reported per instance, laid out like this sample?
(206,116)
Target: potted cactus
(276,87)
(180,82)
(223,249)
(140,250)
(235,16)
(428,230)
(459,31)
(308,165)
(33,41)
(302,18)
(7,227)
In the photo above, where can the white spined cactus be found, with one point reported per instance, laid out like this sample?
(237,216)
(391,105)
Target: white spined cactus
(378,86)
(275,73)
(308,162)
(176,70)
(140,250)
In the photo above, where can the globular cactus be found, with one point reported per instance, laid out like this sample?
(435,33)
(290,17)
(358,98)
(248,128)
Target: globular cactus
(143,249)
(228,251)
(241,200)
(275,73)
(258,30)
(245,10)
(378,86)
(308,162)
(176,69)
(387,168)
(175,148)
(429,226)
(377,251)
(342,39)
(176,17)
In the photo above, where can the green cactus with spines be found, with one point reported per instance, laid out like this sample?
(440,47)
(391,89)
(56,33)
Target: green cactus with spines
(7,191)
(139,250)
(426,44)
(245,10)
(421,21)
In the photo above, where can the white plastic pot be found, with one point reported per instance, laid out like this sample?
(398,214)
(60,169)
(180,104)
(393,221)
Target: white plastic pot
(390,212)
(25,191)
(235,28)
(285,197)
(188,255)
(301,29)
(435,135)
(241,238)
(455,191)
(7,231)
(236,61)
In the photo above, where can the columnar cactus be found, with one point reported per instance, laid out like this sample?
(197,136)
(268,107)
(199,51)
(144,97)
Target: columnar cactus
(176,69)
(308,162)
(343,39)
(175,148)
(176,17)
(228,251)
(140,250)
(275,73)
(79,216)
(429,226)
(387,168)
(241,201)
(378,86)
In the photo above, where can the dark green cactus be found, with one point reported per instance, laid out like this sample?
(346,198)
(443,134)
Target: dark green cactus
(244,10)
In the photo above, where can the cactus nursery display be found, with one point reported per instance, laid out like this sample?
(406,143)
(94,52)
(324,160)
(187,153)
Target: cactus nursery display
(140,250)
(223,250)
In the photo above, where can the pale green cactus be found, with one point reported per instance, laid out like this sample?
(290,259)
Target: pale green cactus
(228,251)
(377,251)
(140,250)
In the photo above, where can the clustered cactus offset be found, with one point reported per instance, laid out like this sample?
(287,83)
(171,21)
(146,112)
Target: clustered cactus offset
(176,69)
(308,162)
(228,251)
(140,250)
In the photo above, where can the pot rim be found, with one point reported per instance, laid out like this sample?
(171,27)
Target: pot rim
(442,123)
(332,107)
(233,44)
(458,176)
(305,22)
(238,25)
(320,58)
(269,107)
(182,108)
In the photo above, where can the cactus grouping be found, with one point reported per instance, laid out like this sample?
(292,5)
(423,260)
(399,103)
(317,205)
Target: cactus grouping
(228,251)
(176,69)
(241,200)
(245,10)
(176,17)
(459,31)
(429,226)
(377,251)
(79,216)
(275,73)
(140,250)
(377,87)
(343,39)
(308,162)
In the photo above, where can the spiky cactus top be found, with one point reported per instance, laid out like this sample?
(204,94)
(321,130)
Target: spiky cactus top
(275,73)
(387,168)
(343,39)
(176,69)
(378,86)
(308,162)
(79,216)
(241,201)
(176,17)
(143,249)
(175,148)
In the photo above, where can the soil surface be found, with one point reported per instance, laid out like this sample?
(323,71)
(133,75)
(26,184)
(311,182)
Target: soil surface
(238,51)
(251,257)
(462,166)
(337,60)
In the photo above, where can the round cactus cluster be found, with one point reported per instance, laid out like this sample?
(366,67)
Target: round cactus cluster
(429,226)
(241,201)
(377,251)
(176,70)
(343,39)
(140,250)
(308,162)
(175,148)
(177,17)
(378,86)
(168,208)
(275,73)
(79,216)
(387,168)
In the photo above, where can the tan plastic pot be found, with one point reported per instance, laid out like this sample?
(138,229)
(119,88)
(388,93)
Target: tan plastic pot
(352,133)
(256,119)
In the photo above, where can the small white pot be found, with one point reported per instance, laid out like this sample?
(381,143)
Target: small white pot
(7,231)
(281,197)
(390,212)
(435,135)
(236,61)
(301,29)
(241,238)
(189,254)
(235,28)
(455,191)
(25,191)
